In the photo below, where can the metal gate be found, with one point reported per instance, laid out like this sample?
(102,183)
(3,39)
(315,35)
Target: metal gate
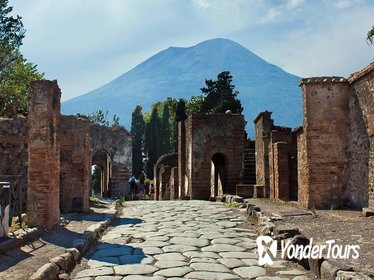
(12,193)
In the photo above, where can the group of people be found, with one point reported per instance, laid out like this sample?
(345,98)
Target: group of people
(139,188)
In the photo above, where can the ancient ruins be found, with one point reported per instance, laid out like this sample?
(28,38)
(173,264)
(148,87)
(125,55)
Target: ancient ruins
(327,163)
(49,156)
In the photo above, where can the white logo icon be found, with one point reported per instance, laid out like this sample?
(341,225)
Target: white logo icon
(267,250)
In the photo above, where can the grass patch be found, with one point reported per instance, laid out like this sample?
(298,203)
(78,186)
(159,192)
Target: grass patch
(94,200)
(231,204)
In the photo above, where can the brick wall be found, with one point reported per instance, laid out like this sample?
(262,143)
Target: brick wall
(326,140)
(207,135)
(263,128)
(75,158)
(280,172)
(43,154)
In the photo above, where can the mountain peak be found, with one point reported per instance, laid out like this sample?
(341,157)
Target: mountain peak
(180,72)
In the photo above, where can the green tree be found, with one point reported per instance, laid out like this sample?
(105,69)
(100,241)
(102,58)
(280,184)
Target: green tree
(101,118)
(137,133)
(195,105)
(96,180)
(220,95)
(15,72)
(11,35)
(370,36)
(165,130)
(153,139)
(13,87)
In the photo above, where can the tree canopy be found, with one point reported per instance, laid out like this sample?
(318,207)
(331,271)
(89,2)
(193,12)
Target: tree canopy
(137,133)
(16,72)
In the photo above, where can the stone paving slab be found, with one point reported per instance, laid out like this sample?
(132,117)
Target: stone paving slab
(181,240)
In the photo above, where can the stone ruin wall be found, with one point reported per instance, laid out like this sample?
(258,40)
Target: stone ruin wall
(200,137)
(335,147)
(43,179)
(207,135)
(13,150)
(263,128)
(276,159)
(75,153)
(163,181)
(363,88)
(117,143)
(50,155)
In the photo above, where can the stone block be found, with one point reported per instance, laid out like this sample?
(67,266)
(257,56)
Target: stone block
(351,275)
(368,212)
(315,266)
(329,271)
(49,271)
(75,253)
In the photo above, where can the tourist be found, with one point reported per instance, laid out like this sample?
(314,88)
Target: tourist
(133,187)
(141,188)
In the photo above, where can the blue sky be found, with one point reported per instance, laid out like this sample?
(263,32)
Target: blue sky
(87,43)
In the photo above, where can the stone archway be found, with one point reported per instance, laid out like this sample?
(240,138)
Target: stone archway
(218,174)
(102,159)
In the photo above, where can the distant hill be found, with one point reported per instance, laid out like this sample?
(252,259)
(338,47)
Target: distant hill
(180,73)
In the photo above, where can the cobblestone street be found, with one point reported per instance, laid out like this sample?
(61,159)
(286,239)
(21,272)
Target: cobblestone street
(179,240)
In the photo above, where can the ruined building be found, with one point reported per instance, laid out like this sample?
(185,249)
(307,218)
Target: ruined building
(50,156)
(209,159)
(329,161)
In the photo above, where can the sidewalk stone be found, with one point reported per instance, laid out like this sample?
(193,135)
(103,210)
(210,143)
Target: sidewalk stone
(96,272)
(170,264)
(134,269)
(210,267)
(172,272)
(250,271)
(205,275)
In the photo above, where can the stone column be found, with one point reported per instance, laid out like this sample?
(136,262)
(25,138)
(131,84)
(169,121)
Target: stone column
(43,177)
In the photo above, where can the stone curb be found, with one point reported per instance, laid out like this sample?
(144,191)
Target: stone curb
(23,236)
(58,267)
(323,269)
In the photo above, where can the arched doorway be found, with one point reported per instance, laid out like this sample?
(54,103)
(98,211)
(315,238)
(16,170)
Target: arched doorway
(218,174)
(101,173)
